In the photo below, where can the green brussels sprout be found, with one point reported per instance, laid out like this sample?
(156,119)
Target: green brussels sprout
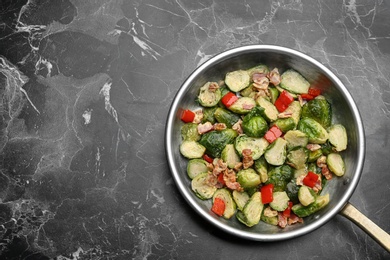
(297,157)
(215,141)
(304,211)
(280,176)
(208,115)
(225,116)
(292,189)
(208,98)
(314,130)
(253,124)
(257,145)
(285,124)
(261,166)
(248,178)
(318,109)
(189,132)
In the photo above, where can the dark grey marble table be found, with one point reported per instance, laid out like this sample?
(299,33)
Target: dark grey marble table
(85,90)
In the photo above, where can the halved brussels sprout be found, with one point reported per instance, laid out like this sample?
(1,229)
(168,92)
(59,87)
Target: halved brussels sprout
(338,137)
(208,97)
(189,132)
(215,141)
(248,178)
(318,109)
(256,145)
(314,130)
(336,164)
(253,124)
(237,80)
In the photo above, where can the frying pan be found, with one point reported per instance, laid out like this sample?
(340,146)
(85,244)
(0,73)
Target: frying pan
(344,110)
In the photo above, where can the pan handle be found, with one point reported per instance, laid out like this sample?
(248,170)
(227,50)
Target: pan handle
(378,234)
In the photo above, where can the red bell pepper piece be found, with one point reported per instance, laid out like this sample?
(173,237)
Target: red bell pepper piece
(218,206)
(208,158)
(287,211)
(273,133)
(307,96)
(314,92)
(187,116)
(220,179)
(229,99)
(267,193)
(283,101)
(310,179)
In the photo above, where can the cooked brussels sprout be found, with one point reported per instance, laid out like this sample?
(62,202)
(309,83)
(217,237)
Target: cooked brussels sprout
(306,195)
(251,213)
(274,94)
(314,130)
(241,198)
(276,152)
(230,205)
(318,109)
(201,188)
(280,176)
(189,132)
(304,211)
(208,115)
(336,164)
(248,178)
(338,137)
(195,167)
(298,157)
(243,105)
(296,138)
(253,124)
(237,80)
(229,156)
(295,110)
(314,155)
(292,189)
(270,220)
(261,69)
(192,149)
(285,124)
(270,113)
(261,166)
(294,82)
(280,202)
(248,91)
(215,141)
(225,116)
(208,97)
(256,145)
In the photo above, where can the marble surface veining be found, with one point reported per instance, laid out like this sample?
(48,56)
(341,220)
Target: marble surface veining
(85,90)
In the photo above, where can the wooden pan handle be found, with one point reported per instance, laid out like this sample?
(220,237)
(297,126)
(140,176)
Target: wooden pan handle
(378,234)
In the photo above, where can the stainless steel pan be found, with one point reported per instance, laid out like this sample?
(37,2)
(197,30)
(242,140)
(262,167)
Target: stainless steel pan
(344,109)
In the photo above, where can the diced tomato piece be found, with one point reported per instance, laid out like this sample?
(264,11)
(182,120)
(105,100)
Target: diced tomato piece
(218,206)
(229,99)
(208,158)
(310,179)
(273,133)
(267,193)
(314,92)
(187,116)
(283,101)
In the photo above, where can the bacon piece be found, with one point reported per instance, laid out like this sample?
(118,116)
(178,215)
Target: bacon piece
(274,76)
(299,180)
(229,177)
(268,212)
(211,180)
(238,166)
(219,126)
(256,77)
(219,166)
(321,161)
(313,147)
(294,219)
(318,185)
(282,220)
(326,172)
(261,83)
(213,86)
(248,106)
(285,115)
(247,160)
(204,128)
(238,127)
(198,116)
